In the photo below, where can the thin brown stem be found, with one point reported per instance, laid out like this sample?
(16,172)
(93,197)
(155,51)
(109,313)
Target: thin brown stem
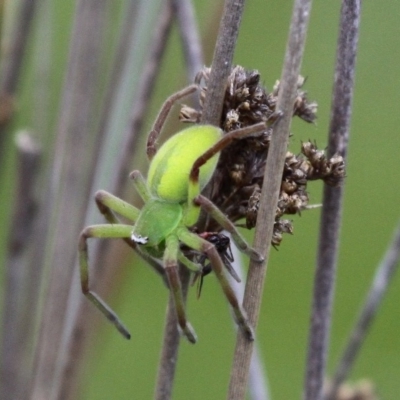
(12,63)
(258,379)
(145,91)
(380,284)
(171,339)
(222,61)
(332,202)
(123,164)
(269,196)
(184,13)
(71,177)
(13,374)
(190,38)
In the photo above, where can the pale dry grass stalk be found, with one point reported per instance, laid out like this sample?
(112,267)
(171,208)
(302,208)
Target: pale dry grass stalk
(383,277)
(185,17)
(269,195)
(135,46)
(222,61)
(68,194)
(13,373)
(324,280)
(11,64)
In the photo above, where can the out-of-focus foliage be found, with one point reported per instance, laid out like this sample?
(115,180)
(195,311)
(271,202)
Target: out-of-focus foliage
(126,370)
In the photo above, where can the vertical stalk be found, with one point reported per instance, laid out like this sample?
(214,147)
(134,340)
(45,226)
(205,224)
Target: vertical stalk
(71,175)
(383,276)
(12,63)
(222,61)
(184,14)
(269,195)
(332,202)
(13,371)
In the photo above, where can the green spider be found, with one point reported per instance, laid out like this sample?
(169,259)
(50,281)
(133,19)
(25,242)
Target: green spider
(172,203)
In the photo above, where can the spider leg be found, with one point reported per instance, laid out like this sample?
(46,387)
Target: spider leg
(226,139)
(140,185)
(100,231)
(225,223)
(162,116)
(193,210)
(171,269)
(199,244)
(190,265)
(107,203)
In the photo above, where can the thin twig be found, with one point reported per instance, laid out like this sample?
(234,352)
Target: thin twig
(332,202)
(12,63)
(118,183)
(380,284)
(269,196)
(184,13)
(222,61)
(13,375)
(74,151)
(258,382)
(189,35)
(145,91)
(171,339)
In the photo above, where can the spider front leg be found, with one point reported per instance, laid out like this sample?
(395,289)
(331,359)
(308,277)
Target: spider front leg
(193,210)
(171,269)
(107,204)
(162,116)
(118,231)
(197,243)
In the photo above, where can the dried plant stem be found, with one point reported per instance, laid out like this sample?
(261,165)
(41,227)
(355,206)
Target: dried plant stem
(171,339)
(190,38)
(222,61)
(13,373)
(12,63)
(332,202)
(184,13)
(74,152)
(70,374)
(383,276)
(145,91)
(258,382)
(269,196)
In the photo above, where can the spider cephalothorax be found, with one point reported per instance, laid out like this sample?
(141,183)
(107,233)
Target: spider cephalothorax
(178,172)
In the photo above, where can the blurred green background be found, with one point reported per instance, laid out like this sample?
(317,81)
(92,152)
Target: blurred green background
(117,369)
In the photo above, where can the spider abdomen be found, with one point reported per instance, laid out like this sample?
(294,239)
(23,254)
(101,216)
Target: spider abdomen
(168,177)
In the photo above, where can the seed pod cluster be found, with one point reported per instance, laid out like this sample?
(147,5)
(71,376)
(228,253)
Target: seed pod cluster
(236,185)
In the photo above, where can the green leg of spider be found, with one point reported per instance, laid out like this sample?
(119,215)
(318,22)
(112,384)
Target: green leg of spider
(222,220)
(190,265)
(101,231)
(140,185)
(107,204)
(171,269)
(199,244)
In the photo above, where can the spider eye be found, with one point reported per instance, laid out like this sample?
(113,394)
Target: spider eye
(139,239)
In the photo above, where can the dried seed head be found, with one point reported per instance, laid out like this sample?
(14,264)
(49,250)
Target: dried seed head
(361,390)
(332,170)
(237,182)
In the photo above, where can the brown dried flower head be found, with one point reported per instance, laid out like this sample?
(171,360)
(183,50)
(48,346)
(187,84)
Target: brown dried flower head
(237,182)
